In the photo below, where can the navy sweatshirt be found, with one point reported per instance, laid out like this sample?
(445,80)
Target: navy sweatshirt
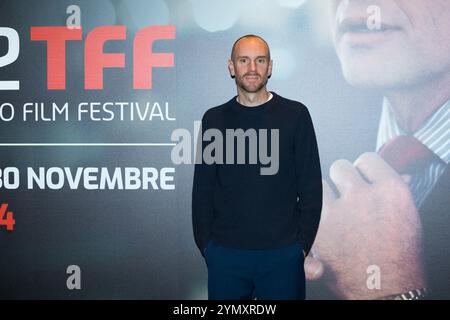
(236,206)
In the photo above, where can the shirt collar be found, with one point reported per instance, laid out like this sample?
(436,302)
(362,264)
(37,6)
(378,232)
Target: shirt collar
(434,132)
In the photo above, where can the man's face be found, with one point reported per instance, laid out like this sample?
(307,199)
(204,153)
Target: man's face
(250,65)
(412,46)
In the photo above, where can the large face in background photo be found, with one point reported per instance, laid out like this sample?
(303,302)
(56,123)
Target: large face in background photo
(411,46)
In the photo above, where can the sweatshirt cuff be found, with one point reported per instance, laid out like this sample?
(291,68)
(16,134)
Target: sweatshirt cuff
(305,247)
(203,249)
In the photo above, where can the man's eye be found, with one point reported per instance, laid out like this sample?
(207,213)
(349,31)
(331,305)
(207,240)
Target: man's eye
(261,60)
(243,60)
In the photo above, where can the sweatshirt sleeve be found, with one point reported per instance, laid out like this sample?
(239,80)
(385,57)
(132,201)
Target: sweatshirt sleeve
(203,194)
(308,181)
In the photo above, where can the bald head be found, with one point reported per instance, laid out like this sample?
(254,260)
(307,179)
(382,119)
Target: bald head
(250,64)
(249,37)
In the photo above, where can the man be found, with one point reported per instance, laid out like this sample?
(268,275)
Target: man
(391,220)
(255,227)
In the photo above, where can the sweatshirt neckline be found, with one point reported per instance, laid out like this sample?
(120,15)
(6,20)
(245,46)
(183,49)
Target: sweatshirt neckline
(253,110)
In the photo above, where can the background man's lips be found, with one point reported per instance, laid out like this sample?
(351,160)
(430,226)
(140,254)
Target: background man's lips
(365,38)
(357,31)
(361,25)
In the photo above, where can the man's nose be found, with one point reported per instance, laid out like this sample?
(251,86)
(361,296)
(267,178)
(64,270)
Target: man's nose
(252,65)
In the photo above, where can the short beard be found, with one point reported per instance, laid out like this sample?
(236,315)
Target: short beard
(251,90)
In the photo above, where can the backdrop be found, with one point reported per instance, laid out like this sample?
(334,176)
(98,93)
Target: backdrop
(138,244)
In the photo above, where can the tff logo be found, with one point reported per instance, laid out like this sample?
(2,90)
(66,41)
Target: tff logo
(144,60)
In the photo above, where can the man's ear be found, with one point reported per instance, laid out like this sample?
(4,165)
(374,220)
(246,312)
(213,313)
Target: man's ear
(270,69)
(231,68)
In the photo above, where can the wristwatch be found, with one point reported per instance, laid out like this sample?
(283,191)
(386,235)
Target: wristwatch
(415,294)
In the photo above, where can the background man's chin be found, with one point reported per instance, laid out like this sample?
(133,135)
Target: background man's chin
(375,77)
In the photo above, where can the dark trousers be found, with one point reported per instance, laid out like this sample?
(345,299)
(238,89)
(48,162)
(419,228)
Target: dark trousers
(236,274)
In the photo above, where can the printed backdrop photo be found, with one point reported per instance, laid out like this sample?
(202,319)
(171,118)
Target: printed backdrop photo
(93,203)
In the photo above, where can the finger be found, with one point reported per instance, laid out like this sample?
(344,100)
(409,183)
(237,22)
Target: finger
(313,268)
(328,194)
(329,198)
(345,176)
(374,168)
(407,178)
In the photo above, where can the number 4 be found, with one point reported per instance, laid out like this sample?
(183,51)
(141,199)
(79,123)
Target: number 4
(9,222)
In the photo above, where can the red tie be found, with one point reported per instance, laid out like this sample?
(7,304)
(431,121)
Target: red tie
(406,154)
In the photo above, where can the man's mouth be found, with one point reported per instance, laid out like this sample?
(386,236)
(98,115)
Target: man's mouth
(251,77)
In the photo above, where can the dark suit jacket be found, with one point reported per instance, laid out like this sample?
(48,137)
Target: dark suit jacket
(435,214)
